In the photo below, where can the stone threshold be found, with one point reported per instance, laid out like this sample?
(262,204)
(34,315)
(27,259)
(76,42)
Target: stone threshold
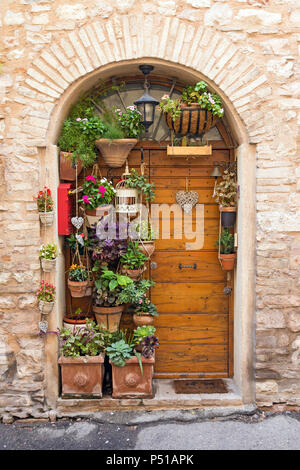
(165,398)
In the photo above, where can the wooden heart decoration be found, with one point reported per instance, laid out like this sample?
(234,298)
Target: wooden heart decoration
(77,222)
(187,200)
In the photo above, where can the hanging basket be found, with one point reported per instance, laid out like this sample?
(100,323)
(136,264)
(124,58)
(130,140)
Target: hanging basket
(126,199)
(227,261)
(228,216)
(46,218)
(143,319)
(67,170)
(147,247)
(192,120)
(45,307)
(134,274)
(48,264)
(109,317)
(94,215)
(115,152)
(77,289)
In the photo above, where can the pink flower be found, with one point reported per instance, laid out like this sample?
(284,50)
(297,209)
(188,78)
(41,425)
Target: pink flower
(78,119)
(85,199)
(140,301)
(91,178)
(102,189)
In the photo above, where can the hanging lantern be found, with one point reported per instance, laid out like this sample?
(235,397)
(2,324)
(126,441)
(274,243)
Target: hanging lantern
(146,104)
(126,199)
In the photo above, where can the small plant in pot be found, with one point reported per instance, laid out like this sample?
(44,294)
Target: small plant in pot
(77,319)
(226,246)
(133,261)
(123,128)
(96,197)
(81,360)
(107,303)
(225,194)
(78,280)
(48,255)
(145,312)
(45,206)
(107,252)
(146,236)
(140,334)
(46,297)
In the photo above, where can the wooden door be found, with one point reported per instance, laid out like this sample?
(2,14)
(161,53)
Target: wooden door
(194,323)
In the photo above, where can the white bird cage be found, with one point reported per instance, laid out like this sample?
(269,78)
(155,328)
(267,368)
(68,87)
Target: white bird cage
(126,199)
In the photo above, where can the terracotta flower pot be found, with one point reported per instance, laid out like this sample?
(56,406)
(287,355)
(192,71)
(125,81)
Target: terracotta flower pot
(45,307)
(228,261)
(46,218)
(128,381)
(77,289)
(228,216)
(94,215)
(67,171)
(115,152)
(134,274)
(109,317)
(193,120)
(82,376)
(48,264)
(147,247)
(142,319)
(70,323)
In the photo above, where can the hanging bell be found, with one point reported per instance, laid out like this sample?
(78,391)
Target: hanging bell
(216,173)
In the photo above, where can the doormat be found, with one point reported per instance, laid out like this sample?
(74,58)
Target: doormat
(200,386)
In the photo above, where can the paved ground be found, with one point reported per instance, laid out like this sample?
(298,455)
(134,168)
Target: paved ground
(256,432)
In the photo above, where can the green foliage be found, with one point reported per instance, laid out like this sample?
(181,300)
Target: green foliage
(141,332)
(88,340)
(119,352)
(108,288)
(96,192)
(144,231)
(137,181)
(225,191)
(48,251)
(130,121)
(113,131)
(132,293)
(78,273)
(167,105)
(46,292)
(133,258)
(226,242)
(146,306)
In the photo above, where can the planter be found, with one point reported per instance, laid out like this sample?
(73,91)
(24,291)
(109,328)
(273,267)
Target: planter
(228,216)
(128,381)
(147,247)
(109,317)
(48,264)
(115,152)
(46,218)
(127,200)
(142,319)
(94,215)
(228,261)
(72,323)
(193,120)
(67,171)
(77,289)
(45,307)
(82,376)
(134,274)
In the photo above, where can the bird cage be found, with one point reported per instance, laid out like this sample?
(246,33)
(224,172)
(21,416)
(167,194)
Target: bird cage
(126,199)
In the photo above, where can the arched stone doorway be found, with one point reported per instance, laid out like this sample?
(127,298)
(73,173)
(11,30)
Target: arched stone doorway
(244,275)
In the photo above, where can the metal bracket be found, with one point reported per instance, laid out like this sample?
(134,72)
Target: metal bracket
(193,266)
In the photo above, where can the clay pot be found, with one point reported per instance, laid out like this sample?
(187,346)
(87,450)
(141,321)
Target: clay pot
(82,376)
(94,215)
(115,152)
(193,120)
(228,261)
(142,319)
(147,247)
(48,264)
(134,274)
(46,218)
(77,289)
(70,323)
(67,171)
(45,307)
(109,317)
(228,216)
(128,381)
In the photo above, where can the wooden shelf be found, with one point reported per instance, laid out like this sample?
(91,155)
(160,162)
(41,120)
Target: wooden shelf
(191,151)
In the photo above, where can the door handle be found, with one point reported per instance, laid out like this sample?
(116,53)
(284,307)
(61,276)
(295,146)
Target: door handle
(153,265)
(193,266)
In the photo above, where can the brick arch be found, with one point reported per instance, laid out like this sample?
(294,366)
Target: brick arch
(85,50)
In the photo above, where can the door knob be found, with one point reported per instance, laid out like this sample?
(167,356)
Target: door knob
(153,265)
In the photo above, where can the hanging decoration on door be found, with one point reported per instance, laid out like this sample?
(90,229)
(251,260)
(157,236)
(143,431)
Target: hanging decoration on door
(187,199)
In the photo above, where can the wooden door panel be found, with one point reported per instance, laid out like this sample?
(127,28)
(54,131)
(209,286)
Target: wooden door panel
(160,158)
(168,196)
(208,266)
(189,297)
(192,329)
(178,182)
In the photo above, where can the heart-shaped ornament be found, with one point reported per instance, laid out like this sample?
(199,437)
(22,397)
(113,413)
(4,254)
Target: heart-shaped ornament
(79,239)
(187,200)
(77,222)
(43,326)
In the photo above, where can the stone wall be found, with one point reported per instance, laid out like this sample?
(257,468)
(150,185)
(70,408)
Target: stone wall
(250,51)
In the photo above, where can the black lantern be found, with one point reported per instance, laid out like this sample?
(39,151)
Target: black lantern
(146,104)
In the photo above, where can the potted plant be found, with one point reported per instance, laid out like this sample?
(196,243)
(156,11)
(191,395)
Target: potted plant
(48,255)
(78,280)
(45,206)
(133,261)
(227,255)
(132,371)
(77,319)
(195,112)
(145,311)
(96,197)
(146,237)
(107,252)
(81,360)
(140,182)
(140,334)
(107,304)
(46,297)
(82,247)
(122,131)
(225,194)
(136,295)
